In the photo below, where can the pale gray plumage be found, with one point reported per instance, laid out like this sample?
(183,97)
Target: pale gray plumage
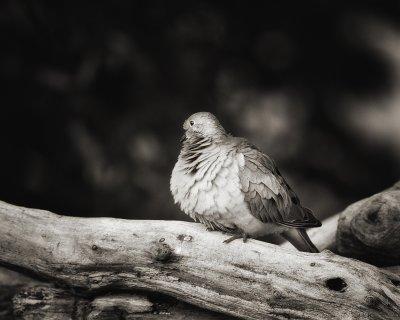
(228,184)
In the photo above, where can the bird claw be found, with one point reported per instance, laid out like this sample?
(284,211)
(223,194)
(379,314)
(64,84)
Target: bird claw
(237,236)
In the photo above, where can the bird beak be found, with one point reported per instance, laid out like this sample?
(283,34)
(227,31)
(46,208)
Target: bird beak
(183,138)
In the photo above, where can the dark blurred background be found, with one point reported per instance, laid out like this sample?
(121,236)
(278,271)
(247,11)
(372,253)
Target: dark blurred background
(94,95)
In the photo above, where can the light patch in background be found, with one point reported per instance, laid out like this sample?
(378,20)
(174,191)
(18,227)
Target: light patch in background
(274,121)
(378,120)
(144,148)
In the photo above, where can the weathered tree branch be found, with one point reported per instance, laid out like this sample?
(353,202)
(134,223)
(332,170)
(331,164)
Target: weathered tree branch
(253,280)
(11,283)
(368,230)
(43,302)
(22,297)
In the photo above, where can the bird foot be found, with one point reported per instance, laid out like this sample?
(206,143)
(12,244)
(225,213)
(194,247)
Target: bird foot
(237,236)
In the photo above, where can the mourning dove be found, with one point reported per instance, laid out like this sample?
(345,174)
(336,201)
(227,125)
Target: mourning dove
(228,184)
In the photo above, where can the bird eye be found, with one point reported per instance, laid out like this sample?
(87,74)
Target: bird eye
(191,122)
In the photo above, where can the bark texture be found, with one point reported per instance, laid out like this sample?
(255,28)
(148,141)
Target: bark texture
(43,302)
(11,283)
(25,298)
(253,280)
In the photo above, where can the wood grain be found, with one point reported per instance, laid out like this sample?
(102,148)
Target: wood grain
(253,280)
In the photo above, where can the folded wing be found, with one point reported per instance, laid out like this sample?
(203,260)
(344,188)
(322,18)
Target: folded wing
(269,197)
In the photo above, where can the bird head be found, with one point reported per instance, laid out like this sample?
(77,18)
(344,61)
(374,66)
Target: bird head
(202,125)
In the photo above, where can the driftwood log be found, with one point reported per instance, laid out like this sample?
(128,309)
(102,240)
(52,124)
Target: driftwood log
(368,230)
(105,267)
(22,297)
(10,284)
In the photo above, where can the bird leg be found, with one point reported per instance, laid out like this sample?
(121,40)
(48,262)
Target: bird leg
(237,236)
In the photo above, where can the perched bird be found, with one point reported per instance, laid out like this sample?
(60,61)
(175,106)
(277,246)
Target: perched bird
(228,184)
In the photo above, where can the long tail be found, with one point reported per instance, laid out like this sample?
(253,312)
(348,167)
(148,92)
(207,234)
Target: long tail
(300,240)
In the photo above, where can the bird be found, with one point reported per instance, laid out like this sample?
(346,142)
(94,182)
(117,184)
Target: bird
(230,185)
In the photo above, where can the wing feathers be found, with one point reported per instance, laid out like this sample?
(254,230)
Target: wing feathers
(269,197)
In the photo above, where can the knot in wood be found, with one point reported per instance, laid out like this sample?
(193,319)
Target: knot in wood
(185,237)
(377,225)
(161,252)
(336,284)
(373,302)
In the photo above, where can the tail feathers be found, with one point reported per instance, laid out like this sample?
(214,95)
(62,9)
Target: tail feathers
(313,222)
(300,240)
